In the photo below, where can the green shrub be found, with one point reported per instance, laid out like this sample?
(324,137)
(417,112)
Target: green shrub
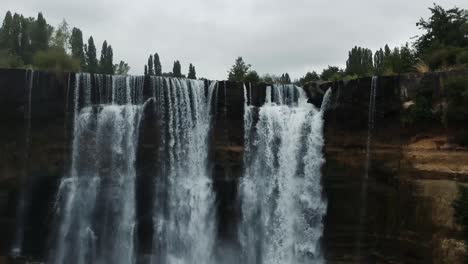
(462,57)
(457,100)
(442,57)
(55,60)
(8,60)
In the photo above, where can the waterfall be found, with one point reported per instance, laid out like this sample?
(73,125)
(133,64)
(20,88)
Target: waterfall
(280,192)
(23,199)
(184,219)
(96,201)
(363,198)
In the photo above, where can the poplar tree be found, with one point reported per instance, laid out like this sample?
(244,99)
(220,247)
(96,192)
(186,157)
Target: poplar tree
(192,73)
(150,66)
(157,65)
(91,57)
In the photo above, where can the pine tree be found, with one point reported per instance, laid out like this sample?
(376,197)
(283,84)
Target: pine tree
(146,70)
(91,57)
(76,44)
(192,73)
(150,66)
(157,65)
(176,69)
(239,70)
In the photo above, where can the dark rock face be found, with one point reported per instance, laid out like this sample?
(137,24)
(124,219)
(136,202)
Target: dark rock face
(407,217)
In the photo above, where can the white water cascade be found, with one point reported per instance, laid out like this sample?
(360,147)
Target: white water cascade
(96,201)
(184,218)
(281,193)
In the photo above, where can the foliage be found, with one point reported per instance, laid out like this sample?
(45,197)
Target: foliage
(192,74)
(157,65)
(285,79)
(446,57)
(252,77)
(308,77)
(8,60)
(76,45)
(150,65)
(55,60)
(60,39)
(443,28)
(106,63)
(122,68)
(91,57)
(359,62)
(270,78)
(457,100)
(332,73)
(421,111)
(239,70)
(177,70)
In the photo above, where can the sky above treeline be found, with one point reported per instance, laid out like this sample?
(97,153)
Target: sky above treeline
(275,36)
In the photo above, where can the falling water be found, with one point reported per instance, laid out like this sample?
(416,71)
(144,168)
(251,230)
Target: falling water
(96,201)
(363,198)
(183,214)
(24,192)
(281,192)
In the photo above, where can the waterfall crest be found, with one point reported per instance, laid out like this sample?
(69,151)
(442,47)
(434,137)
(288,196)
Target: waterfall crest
(96,204)
(281,193)
(184,218)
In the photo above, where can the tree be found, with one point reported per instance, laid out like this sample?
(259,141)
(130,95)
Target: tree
(103,59)
(157,65)
(359,62)
(61,37)
(150,65)
(146,70)
(408,58)
(76,45)
(309,77)
(270,78)
(252,77)
(239,70)
(443,28)
(122,68)
(40,34)
(192,73)
(379,66)
(6,38)
(109,63)
(91,57)
(106,64)
(55,60)
(332,73)
(177,69)
(285,79)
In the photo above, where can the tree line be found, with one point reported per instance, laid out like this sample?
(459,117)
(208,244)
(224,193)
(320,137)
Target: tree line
(154,68)
(443,45)
(28,42)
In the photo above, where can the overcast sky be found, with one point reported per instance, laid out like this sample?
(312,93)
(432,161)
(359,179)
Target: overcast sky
(275,36)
